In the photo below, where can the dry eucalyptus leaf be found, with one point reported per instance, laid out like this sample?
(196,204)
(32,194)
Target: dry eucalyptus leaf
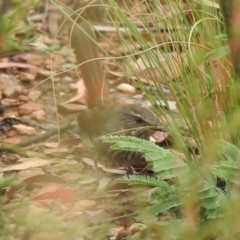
(60,152)
(83,205)
(51,144)
(80,96)
(90,162)
(103,182)
(25,174)
(26,165)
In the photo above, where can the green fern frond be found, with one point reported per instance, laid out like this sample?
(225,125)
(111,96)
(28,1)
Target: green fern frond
(145,180)
(165,204)
(130,144)
(227,149)
(162,160)
(213,213)
(160,155)
(165,160)
(163,191)
(167,165)
(220,52)
(222,37)
(213,205)
(225,169)
(213,202)
(211,197)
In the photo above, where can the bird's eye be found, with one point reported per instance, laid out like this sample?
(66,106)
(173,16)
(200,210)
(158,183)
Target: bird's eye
(139,120)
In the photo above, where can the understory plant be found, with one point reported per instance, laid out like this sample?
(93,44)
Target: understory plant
(14,25)
(201,188)
(181,53)
(179,49)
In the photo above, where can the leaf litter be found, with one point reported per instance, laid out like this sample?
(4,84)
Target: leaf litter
(63,177)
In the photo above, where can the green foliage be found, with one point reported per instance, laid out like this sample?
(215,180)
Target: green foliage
(188,188)
(13,24)
(8,181)
(173,178)
(163,161)
(221,51)
(227,167)
(203,190)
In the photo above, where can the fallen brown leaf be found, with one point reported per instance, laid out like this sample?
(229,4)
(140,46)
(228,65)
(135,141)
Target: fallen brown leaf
(80,96)
(83,205)
(26,165)
(63,195)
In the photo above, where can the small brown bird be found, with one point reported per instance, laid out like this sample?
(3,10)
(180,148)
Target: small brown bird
(104,115)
